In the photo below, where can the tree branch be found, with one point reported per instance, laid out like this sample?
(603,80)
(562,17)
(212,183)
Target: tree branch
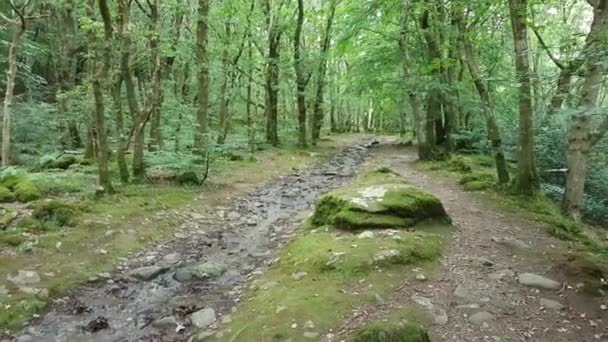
(547,49)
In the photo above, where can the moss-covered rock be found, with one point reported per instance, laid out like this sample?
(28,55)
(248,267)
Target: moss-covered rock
(56,212)
(6,195)
(65,161)
(378,206)
(12,239)
(188,178)
(477,185)
(27,191)
(391,332)
(7,216)
(459,165)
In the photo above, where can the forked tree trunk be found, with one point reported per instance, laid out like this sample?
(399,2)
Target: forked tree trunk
(526,182)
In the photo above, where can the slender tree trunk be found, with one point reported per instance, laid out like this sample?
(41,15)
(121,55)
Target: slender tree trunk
(319,99)
(101,66)
(272,88)
(301,81)
(527,182)
(121,161)
(493,131)
(13,51)
(201,138)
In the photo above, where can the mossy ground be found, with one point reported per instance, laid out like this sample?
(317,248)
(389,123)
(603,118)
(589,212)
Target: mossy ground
(119,224)
(405,325)
(327,294)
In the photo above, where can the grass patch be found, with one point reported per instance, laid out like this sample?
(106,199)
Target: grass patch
(326,294)
(406,325)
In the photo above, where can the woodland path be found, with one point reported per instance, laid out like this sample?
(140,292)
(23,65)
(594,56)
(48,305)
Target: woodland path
(481,275)
(207,265)
(477,275)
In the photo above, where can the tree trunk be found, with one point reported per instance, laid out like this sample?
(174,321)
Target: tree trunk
(13,51)
(272,87)
(493,131)
(121,161)
(526,182)
(301,81)
(100,69)
(201,138)
(319,99)
(581,140)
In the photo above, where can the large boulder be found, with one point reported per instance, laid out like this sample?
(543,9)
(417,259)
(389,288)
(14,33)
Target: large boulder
(393,205)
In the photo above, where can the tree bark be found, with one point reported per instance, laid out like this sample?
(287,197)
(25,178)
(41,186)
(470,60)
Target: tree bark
(272,75)
(581,139)
(301,80)
(526,182)
(13,51)
(100,68)
(319,99)
(493,131)
(201,138)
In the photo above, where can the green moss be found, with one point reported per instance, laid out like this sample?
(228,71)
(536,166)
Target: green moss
(55,212)
(188,178)
(391,332)
(353,219)
(326,294)
(27,191)
(10,178)
(477,185)
(6,195)
(378,206)
(459,164)
(7,216)
(65,161)
(12,239)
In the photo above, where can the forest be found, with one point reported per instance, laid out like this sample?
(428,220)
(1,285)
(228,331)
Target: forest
(115,110)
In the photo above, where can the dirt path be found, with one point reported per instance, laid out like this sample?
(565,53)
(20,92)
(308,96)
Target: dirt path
(481,275)
(206,265)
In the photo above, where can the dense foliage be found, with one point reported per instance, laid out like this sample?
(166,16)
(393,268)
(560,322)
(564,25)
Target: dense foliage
(172,82)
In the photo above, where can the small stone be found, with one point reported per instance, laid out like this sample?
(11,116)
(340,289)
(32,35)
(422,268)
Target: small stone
(485,262)
(511,242)
(379,299)
(309,325)
(421,277)
(165,323)
(24,278)
(25,338)
(366,235)
(208,270)
(183,275)
(440,316)
(551,304)
(226,319)
(172,258)
(280,309)
(481,317)
(252,223)
(468,307)
(386,255)
(461,292)
(3,291)
(299,276)
(148,272)
(423,301)
(539,282)
(203,318)
(499,275)
(311,334)
(269,285)
(334,259)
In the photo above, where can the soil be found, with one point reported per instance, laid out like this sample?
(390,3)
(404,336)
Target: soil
(244,237)
(518,314)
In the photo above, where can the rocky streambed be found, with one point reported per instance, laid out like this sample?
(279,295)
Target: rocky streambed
(194,280)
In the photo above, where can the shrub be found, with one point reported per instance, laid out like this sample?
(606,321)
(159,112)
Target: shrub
(27,191)
(10,177)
